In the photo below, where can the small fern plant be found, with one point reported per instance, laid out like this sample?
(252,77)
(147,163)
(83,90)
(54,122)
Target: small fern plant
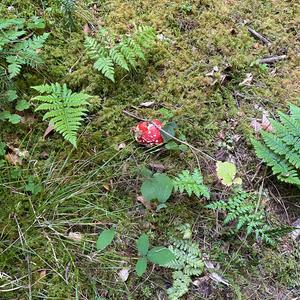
(19,47)
(280,149)
(242,209)
(187,263)
(191,183)
(107,53)
(65,109)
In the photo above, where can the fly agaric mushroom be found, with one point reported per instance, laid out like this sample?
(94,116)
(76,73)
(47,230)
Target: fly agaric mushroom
(148,134)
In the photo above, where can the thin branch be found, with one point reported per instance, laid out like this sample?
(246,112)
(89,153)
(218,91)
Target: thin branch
(258,36)
(273,59)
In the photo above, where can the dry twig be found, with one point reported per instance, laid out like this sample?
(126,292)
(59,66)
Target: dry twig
(258,36)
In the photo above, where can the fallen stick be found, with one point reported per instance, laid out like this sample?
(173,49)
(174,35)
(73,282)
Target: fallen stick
(272,59)
(258,36)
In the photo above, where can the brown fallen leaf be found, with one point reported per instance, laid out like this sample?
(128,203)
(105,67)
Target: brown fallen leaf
(157,167)
(49,129)
(255,125)
(13,158)
(265,123)
(86,29)
(146,203)
(42,273)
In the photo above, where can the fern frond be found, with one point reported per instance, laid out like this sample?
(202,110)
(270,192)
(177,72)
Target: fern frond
(106,67)
(128,53)
(281,148)
(65,109)
(191,183)
(118,58)
(188,262)
(124,54)
(241,208)
(94,49)
(14,69)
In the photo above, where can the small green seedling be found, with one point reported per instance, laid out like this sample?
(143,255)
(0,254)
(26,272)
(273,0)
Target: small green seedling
(158,255)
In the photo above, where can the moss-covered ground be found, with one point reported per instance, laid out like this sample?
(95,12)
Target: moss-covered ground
(95,186)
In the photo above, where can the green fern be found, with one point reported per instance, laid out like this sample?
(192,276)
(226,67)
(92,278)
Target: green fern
(191,183)
(18,47)
(187,263)
(65,108)
(21,51)
(281,148)
(125,54)
(241,208)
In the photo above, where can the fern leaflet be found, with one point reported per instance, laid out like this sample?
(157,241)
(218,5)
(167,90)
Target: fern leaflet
(191,183)
(65,109)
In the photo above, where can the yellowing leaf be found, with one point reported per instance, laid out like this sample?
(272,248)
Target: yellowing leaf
(226,172)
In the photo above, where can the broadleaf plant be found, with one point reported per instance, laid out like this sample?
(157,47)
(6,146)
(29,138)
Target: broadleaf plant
(158,187)
(157,255)
(19,46)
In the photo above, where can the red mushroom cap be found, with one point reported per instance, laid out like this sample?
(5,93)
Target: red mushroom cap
(146,133)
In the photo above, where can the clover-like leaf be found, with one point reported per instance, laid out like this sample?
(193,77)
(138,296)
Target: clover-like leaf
(141,266)
(143,244)
(22,105)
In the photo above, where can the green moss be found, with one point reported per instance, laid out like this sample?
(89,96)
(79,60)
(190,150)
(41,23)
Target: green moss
(97,186)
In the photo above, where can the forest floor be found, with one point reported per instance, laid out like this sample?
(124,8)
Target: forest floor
(204,73)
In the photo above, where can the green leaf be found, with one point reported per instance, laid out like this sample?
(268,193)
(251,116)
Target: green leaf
(170,129)
(226,172)
(36,23)
(143,244)
(159,187)
(166,113)
(22,105)
(105,238)
(4,115)
(160,255)
(2,148)
(148,189)
(141,266)
(14,119)
(172,145)
(11,95)
(32,186)
(145,172)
